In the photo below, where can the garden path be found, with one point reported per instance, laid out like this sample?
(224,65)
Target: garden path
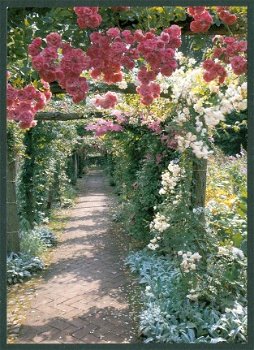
(84,295)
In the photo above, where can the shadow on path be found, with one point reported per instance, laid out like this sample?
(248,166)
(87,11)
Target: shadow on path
(84,295)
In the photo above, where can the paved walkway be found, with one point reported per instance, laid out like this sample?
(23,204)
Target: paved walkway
(83,298)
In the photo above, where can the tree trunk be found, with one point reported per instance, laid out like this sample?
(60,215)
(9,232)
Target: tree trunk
(198,190)
(13,240)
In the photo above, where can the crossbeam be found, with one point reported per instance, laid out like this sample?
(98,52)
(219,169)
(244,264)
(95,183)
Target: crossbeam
(102,88)
(60,116)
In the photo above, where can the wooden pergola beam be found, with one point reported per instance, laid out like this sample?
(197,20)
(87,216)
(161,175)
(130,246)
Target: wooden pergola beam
(102,88)
(60,116)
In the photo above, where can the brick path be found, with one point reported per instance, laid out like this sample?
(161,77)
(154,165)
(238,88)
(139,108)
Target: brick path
(83,298)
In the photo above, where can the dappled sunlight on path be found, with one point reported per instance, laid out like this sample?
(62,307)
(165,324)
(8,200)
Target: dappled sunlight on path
(83,298)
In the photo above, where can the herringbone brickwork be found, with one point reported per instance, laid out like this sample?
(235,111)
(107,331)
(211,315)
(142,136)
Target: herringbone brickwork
(83,298)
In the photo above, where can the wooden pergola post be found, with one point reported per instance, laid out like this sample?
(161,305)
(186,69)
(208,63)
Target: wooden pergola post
(13,240)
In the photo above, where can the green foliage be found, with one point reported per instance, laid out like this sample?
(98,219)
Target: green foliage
(227,198)
(42,181)
(231,134)
(15,144)
(139,210)
(135,171)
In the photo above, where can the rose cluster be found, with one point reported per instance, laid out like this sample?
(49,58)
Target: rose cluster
(227,50)
(23,104)
(159,53)
(88,17)
(225,15)
(60,62)
(102,126)
(199,148)
(203,19)
(108,52)
(230,50)
(213,70)
(109,100)
(111,51)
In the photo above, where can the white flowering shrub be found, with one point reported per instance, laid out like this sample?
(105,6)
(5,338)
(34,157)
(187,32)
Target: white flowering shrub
(199,107)
(170,178)
(189,261)
(159,223)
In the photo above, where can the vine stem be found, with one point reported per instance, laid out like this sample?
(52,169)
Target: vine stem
(229,30)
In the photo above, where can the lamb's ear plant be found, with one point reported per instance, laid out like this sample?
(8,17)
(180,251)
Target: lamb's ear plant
(35,242)
(31,243)
(22,266)
(28,262)
(172,313)
(46,235)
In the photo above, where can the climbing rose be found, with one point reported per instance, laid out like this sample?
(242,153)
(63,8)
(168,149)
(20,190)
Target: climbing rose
(54,40)
(109,100)
(105,58)
(197,10)
(228,50)
(239,65)
(213,70)
(148,92)
(202,22)
(74,61)
(102,126)
(88,17)
(65,68)
(225,16)
(23,104)
(113,32)
(202,19)
(145,76)
(77,87)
